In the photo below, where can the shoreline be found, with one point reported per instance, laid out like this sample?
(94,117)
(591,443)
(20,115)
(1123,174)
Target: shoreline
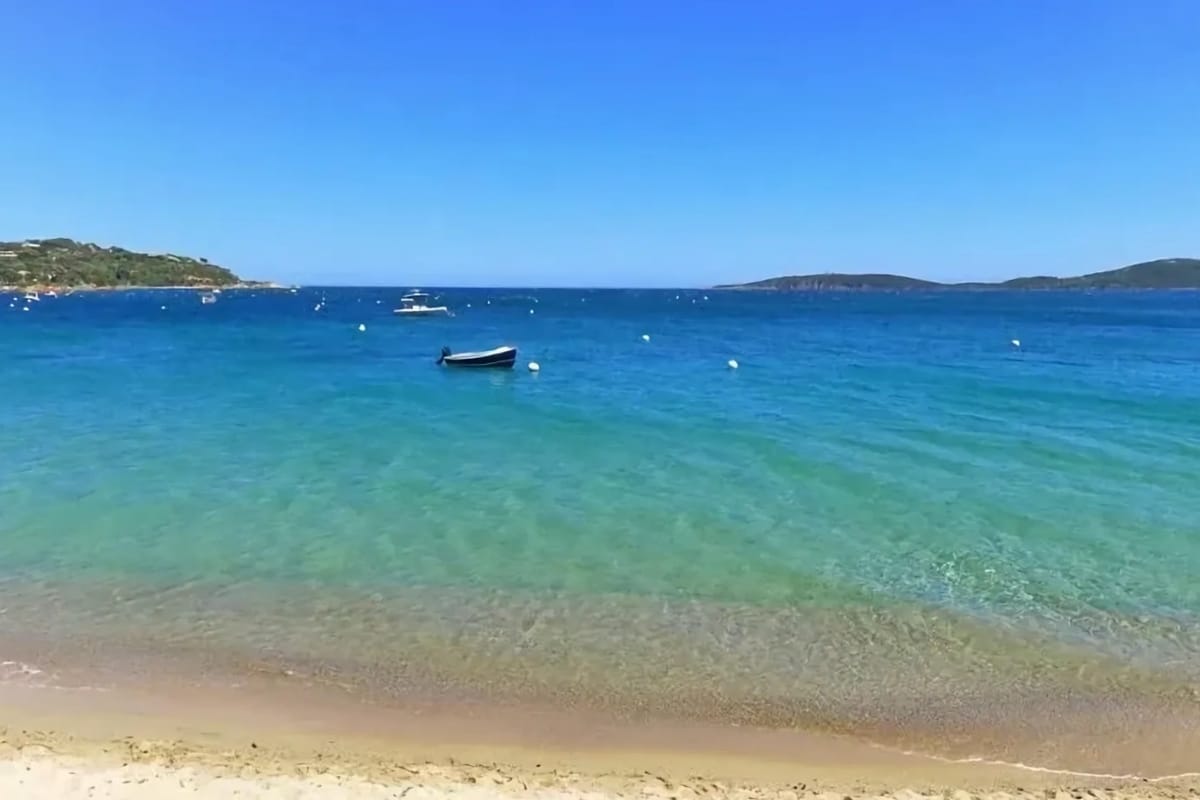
(132,744)
(227,740)
(458,656)
(265,722)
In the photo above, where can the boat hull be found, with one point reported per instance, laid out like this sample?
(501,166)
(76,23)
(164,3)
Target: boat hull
(435,311)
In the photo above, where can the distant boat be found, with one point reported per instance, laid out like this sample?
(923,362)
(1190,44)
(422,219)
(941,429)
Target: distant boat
(501,357)
(415,304)
(32,297)
(208,299)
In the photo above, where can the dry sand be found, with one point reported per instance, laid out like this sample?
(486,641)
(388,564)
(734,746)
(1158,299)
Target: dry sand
(153,771)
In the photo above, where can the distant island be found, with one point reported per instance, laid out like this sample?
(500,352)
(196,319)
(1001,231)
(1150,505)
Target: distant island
(66,263)
(1166,273)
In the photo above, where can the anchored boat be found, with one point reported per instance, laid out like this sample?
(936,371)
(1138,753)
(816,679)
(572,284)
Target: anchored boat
(501,357)
(415,304)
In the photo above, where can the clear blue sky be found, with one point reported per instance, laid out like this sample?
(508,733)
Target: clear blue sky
(607,143)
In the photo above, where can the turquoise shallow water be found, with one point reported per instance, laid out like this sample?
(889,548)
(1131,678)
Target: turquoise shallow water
(884,478)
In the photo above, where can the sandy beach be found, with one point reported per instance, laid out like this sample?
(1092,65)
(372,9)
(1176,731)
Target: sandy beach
(62,744)
(132,769)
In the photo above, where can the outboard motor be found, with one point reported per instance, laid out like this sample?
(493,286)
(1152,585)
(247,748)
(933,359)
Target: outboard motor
(445,352)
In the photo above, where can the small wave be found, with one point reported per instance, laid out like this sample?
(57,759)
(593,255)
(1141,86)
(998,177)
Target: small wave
(18,669)
(32,677)
(994,762)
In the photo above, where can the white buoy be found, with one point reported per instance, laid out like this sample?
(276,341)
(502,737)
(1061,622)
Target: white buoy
(468,305)
(164,308)
(361,327)
(317,307)
(377,302)
(732,363)
(645,337)
(534,366)
(531,311)
(26,308)
(1016,342)
(705,297)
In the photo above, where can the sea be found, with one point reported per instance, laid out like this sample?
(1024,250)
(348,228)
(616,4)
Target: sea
(962,521)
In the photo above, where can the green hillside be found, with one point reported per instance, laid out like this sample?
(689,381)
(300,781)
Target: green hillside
(1166,273)
(65,262)
(834,280)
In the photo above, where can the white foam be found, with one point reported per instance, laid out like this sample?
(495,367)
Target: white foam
(9,669)
(995,762)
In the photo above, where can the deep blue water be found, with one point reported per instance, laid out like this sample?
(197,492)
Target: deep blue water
(233,467)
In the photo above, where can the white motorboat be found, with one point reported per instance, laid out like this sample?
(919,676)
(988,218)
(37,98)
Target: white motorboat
(32,297)
(208,299)
(415,304)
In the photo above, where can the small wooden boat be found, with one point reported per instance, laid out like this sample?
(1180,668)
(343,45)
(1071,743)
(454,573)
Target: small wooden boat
(501,357)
